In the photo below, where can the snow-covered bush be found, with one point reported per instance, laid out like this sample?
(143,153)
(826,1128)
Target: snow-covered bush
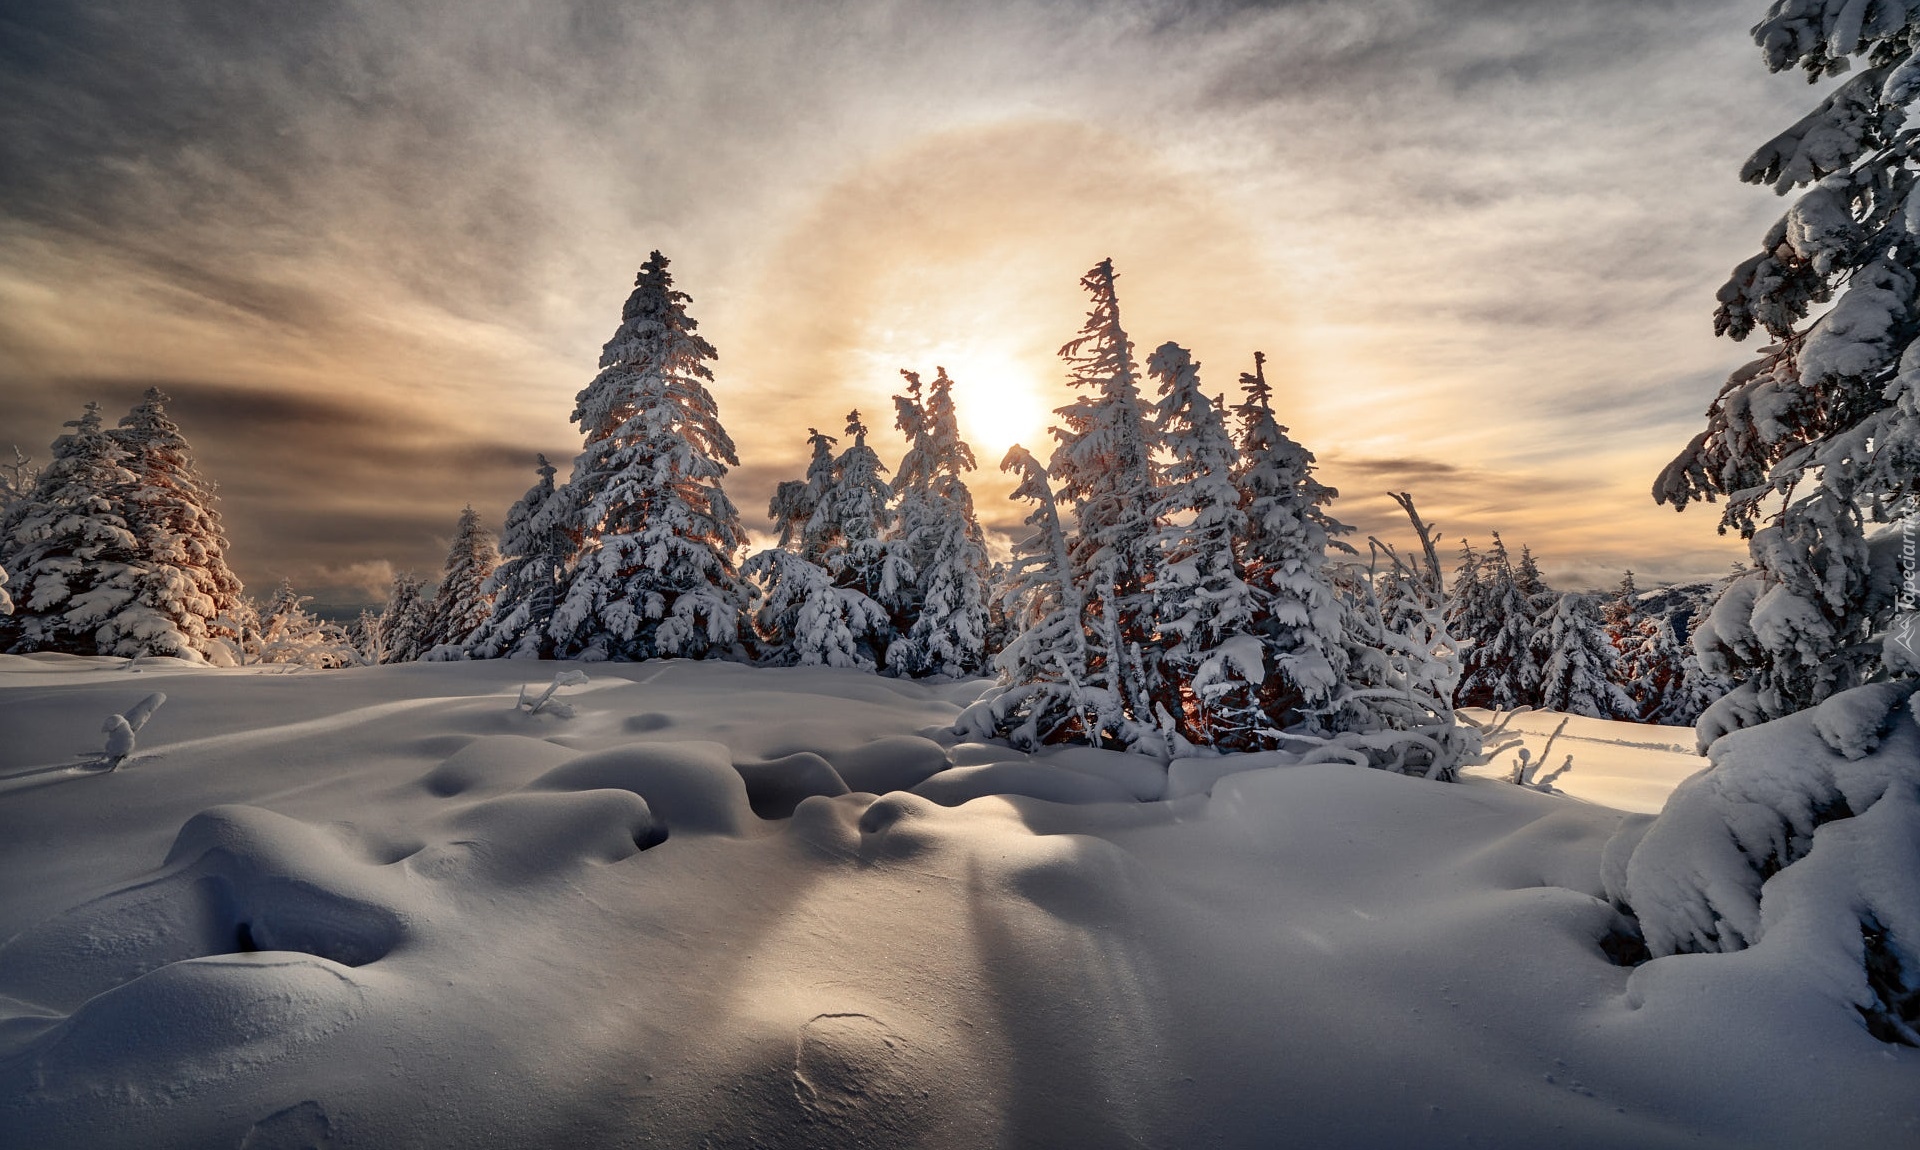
(1804,834)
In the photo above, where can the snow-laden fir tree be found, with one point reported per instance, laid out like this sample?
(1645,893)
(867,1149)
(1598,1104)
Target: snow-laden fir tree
(944,545)
(1500,667)
(805,619)
(795,501)
(1207,616)
(1047,694)
(803,615)
(852,522)
(1102,465)
(407,620)
(1579,667)
(185,586)
(1653,673)
(6,600)
(75,561)
(1282,543)
(1819,437)
(524,587)
(462,604)
(655,534)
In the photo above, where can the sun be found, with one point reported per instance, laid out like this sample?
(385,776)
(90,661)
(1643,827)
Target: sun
(997,394)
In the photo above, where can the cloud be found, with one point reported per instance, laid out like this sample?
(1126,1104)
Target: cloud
(374,248)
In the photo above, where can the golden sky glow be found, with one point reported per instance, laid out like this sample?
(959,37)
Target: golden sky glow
(374,252)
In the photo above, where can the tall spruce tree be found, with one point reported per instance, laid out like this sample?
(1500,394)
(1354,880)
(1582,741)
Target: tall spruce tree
(76,560)
(1283,543)
(524,587)
(1048,694)
(1102,464)
(795,501)
(184,587)
(853,520)
(462,605)
(656,535)
(1205,612)
(946,629)
(1819,437)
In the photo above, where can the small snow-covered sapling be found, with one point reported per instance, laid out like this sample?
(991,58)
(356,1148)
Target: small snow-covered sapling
(546,703)
(120,729)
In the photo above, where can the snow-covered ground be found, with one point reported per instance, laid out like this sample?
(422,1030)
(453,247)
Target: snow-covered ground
(386,907)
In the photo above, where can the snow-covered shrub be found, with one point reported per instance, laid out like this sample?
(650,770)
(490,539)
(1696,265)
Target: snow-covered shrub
(544,703)
(120,730)
(1804,831)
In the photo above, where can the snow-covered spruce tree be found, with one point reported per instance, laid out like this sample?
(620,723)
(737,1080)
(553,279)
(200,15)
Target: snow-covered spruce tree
(75,560)
(287,633)
(185,586)
(1500,668)
(1395,708)
(1819,437)
(803,615)
(795,501)
(462,605)
(406,621)
(852,522)
(1579,667)
(656,535)
(1102,464)
(6,600)
(945,548)
(1282,542)
(524,587)
(1046,693)
(1653,672)
(805,619)
(1204,610)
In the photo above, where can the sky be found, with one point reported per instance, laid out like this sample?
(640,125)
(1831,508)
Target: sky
(372,249)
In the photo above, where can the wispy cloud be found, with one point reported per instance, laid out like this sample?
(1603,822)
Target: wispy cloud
(375,247)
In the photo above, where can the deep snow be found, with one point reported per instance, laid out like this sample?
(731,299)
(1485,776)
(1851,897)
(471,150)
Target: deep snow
(388,907)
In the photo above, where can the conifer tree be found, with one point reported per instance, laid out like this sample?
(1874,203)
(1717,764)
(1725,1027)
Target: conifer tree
(1102,465)
(462,605)
(795,501)
(1501,666)
(76,560)
(1206,614)
(405,622)
(184,586)
(524,586)
(1048,693)
(806,619)
(1819,437)
(1283,545)
(944,546)
(1653,673)
(655,534)
(1579,665)
(852,520)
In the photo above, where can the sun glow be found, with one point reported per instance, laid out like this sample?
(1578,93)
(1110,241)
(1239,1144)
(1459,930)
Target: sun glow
(996,395)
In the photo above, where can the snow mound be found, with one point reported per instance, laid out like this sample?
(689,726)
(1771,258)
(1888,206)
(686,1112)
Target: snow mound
(1800,841)
(688,786)
(1034,780)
